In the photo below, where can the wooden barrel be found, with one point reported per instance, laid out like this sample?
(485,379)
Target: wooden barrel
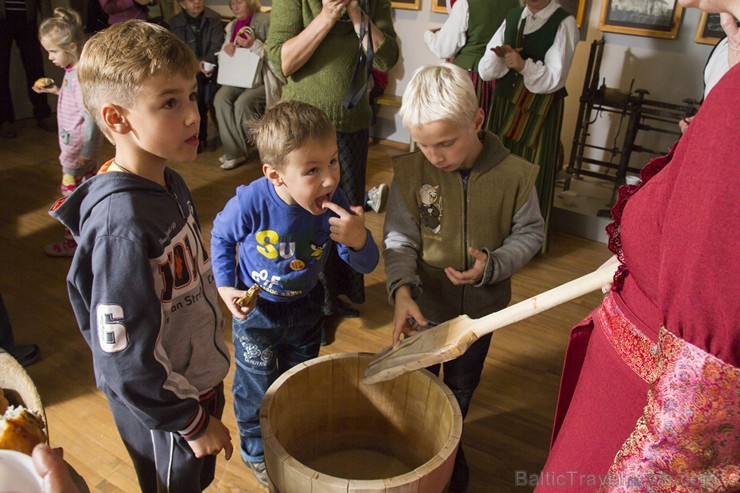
(325,431)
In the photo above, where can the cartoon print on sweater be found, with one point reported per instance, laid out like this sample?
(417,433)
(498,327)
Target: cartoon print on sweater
(285,253)
(430,210)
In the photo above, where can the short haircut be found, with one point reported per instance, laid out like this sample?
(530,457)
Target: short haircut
(287,126)
(117,61)
(438,92)
(252,5)
(64,29)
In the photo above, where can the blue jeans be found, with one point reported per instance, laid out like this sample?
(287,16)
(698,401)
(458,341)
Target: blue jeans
(274,338)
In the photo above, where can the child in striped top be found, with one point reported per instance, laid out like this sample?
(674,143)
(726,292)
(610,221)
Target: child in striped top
(62,37)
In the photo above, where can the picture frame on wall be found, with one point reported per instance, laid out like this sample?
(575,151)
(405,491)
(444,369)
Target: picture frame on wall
(576,8)
(439,6)
(652,18)
(406,4)
(709,31)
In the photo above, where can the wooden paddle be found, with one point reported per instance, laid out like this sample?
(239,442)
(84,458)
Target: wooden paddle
(451,339)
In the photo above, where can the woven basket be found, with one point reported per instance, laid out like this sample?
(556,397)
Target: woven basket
(18,387)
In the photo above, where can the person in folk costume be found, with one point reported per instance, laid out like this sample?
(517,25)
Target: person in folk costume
(529,56)
(463,37)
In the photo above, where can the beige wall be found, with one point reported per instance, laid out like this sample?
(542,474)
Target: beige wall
(670,69)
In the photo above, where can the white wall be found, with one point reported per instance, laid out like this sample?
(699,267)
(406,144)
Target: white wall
(670,69)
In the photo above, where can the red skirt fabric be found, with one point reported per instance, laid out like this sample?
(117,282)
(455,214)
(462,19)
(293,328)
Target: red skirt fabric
(601,399)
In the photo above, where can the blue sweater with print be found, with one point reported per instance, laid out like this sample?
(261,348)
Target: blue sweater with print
(281,247)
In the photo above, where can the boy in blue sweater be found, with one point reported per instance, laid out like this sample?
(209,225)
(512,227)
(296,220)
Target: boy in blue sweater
(277,233)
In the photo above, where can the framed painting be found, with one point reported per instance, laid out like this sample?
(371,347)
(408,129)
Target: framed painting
(406,4)
(576,8)
(439,6)
(653,18)
(709,30)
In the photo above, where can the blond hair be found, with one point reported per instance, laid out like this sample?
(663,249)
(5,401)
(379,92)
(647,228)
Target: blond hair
(287,126)
(117,61)
(64,29)
(438,92)
(252,5)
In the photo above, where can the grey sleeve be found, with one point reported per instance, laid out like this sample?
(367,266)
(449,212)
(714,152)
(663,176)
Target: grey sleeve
(401,244)
(524,241)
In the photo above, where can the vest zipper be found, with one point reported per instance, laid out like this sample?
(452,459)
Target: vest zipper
(465,179)
(197,271)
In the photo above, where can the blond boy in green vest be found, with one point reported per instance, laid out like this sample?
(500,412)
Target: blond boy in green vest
(462,218)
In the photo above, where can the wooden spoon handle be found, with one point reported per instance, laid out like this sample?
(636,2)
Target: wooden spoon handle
(543,301)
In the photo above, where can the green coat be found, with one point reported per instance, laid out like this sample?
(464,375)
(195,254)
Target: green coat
(323,80)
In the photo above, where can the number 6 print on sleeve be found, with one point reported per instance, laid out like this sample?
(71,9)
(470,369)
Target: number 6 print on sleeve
(111,332)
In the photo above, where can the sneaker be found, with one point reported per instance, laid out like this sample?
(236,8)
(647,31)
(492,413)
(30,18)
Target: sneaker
(65,248)
(232,163)
(222,159)
(259,470)
(327,334)
(377,197)
(8,130)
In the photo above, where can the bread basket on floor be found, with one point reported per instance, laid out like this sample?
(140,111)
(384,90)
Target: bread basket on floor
(18,387)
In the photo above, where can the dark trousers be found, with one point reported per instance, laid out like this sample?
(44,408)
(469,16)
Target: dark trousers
(16,28)
(338,277)
(462,374)
(6,331)
(164,462)
(207,88)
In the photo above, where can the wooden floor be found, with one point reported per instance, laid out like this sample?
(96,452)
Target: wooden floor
(506,433)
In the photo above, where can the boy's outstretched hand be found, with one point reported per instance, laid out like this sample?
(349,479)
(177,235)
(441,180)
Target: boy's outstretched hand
(349,228)
(407,317)
(470,276)
(215,439)
(230,295)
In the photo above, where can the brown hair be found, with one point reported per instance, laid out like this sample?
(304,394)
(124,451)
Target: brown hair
(288,126)
(116,62)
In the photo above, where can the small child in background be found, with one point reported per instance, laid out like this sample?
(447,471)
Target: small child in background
(63,37)
(277,232)
(462,218)
(200,28)
(141,283)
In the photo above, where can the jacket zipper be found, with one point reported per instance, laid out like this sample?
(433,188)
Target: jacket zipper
(196,254)
(465,236)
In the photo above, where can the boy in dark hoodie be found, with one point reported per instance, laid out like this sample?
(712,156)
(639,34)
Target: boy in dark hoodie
(141,282)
